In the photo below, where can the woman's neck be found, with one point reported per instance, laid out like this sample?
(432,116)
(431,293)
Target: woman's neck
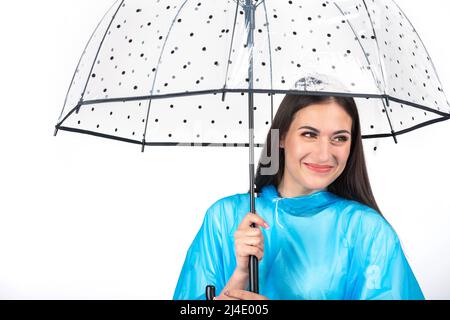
(291,190)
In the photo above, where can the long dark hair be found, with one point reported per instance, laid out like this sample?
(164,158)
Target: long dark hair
(353,183)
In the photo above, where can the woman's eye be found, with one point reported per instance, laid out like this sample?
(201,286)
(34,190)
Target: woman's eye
(308,134)
(342,138)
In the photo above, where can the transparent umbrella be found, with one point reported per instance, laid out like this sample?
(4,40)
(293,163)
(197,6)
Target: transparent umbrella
(212,73)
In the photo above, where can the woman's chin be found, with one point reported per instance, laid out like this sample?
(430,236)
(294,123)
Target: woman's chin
(314,182)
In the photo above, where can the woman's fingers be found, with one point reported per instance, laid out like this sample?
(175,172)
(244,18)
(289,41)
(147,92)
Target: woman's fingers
(243,249)
(251,232)
(246,251)
(252,241)
(251,218)
(257,241)
(249,241)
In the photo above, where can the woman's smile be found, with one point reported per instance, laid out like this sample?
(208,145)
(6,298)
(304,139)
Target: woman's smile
(318,168)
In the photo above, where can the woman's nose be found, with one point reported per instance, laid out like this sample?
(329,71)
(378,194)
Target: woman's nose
(323,150)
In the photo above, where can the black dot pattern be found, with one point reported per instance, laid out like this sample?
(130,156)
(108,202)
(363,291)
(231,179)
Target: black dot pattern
(187,119)
(155,48)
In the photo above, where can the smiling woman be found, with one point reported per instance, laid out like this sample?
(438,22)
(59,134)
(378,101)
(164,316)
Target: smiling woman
(320,147)
(315,153)
(327,238)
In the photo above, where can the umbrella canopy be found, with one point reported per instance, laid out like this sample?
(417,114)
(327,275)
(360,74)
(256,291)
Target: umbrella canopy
(155,73)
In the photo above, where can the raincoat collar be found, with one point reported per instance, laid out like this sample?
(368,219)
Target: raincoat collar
(306,205)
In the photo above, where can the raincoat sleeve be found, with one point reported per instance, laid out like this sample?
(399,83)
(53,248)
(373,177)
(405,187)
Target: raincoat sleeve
(383,271)
(203,262)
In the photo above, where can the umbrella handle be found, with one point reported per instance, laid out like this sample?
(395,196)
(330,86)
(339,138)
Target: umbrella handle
(253,274)
(210,292)
(253,268)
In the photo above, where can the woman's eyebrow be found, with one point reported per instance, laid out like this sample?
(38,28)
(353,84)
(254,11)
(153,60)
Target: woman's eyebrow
(315,130)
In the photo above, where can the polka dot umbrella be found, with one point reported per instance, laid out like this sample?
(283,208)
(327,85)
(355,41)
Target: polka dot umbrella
(212,73)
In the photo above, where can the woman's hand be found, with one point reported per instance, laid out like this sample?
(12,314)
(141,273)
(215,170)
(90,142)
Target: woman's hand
(236,294)
(249,241)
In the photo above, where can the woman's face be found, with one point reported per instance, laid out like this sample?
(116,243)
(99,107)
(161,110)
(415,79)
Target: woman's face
(316,148)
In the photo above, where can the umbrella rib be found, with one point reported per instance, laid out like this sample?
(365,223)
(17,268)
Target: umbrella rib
(98,134)
(270,60)
(81,102)
(159,144)
(238,3)
(371,71)
(262,2)
(359,42)
(419,106)
(423,124)
(156,73)
(231,47)
(378,48)
(99,48)
(423,46)
(382,71)
(81,58)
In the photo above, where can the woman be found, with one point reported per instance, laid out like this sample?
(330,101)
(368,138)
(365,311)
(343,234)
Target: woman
(319,234)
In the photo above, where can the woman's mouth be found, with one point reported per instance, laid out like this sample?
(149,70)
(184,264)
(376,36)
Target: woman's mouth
(318,168)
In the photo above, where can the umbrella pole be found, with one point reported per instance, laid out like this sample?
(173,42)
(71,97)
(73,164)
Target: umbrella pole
(250,23)
(253,260)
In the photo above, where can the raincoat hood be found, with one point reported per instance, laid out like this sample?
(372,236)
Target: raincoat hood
(306,205)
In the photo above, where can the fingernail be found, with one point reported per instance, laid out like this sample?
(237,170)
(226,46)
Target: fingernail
(266,225)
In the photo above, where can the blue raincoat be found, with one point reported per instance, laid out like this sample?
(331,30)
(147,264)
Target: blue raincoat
(318,246)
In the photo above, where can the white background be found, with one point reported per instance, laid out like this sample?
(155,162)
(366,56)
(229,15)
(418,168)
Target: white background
(88,218)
